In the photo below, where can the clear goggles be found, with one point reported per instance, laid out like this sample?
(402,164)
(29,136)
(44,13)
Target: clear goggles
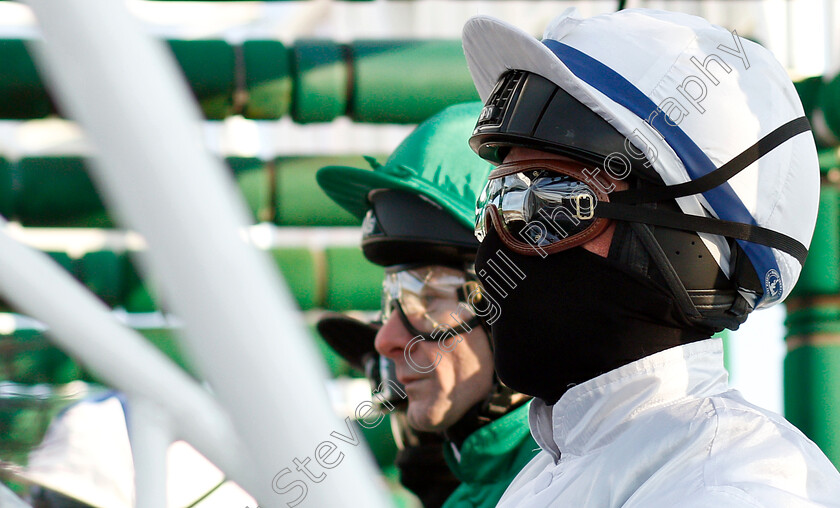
(540,207)
(428,297)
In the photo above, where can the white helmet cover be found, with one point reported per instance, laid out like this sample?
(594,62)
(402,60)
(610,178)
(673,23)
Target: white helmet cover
(721,94)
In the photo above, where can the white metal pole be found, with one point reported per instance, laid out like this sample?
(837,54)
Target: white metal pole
(84,327)
(8,499)
(150,436)
(241,324)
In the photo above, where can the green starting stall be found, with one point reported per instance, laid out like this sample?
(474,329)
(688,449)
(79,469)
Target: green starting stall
(318,81)
(309,81)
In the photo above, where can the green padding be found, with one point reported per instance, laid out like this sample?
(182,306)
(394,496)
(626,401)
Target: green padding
(22,93)
(353,282)
(168,342)
(830,105)
(829,159)
(29,358)
(821,273)
(320,85)
(298,268)
(380,439)
(209,68)
(138,298)
(57,191)
(811,320)
(812,395)
(809,93)
(7,188)
(102,272)
(253,182)
(300,200)
(24,419)
(64,260)
(268,79)
(408,81)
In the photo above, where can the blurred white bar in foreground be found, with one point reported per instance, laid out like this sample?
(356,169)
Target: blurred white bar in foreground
(159,179)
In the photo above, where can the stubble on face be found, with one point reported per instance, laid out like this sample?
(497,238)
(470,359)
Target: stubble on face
(464,377)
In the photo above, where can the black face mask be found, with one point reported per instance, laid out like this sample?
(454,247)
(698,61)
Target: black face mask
(574,316)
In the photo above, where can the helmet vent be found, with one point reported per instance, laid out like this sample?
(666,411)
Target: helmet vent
(500,99)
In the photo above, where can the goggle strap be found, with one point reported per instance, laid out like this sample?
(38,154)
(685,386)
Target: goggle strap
(719,176)
(686,222)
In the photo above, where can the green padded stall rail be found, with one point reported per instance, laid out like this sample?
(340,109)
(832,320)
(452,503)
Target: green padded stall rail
(102,272)
(109,275)
(254,179)
(820,98)
(300,201)
(829,159)
(24,418)
(208,66)
(809,90)
(7,188)
(64,260)
(404,81)
(137,294)
(381,441)
(58,192)
(55,191)
(821,273)
(268,80)
(320,81)
(353,282)
(391,81)
(337,278)
(810,320)
(396,81)
(301,271)
(28,357)
(21,89)
(830,106)
(812,393)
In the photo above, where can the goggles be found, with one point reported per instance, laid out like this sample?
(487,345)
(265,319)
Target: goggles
(427,298)
(540,206)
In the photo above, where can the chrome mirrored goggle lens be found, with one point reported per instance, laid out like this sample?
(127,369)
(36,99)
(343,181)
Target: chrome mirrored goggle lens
(539,207)
(428,296)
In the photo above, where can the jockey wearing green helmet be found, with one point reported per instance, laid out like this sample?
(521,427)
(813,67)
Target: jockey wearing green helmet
(418,213)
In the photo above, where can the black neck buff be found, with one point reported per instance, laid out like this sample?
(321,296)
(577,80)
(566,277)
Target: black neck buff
(576,315)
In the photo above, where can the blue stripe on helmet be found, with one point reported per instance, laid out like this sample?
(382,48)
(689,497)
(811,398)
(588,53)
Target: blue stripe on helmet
(726,204)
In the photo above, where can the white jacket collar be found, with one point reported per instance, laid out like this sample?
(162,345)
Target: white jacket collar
(594,413)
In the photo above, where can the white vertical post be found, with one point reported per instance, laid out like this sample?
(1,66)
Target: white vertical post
(84,327)
(242,327)
(150,436)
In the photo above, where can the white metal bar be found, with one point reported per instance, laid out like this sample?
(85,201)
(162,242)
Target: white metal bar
(84,327)
(150,436)
(126,92)
(79,241)
(8,499)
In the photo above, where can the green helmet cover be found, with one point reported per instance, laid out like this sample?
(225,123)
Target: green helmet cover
(435,161)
